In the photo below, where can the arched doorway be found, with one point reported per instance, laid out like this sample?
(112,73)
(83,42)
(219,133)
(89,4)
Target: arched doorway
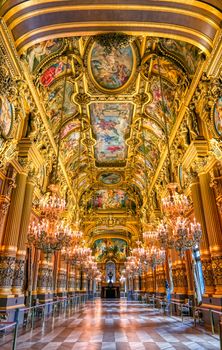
(110,270)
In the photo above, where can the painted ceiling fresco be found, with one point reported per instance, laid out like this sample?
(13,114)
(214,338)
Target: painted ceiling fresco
(111,71)
(110,199)
(110,113)
(110,125)
(112,248)
(110,178)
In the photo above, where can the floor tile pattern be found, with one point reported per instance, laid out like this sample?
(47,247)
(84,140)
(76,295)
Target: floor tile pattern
(115,325)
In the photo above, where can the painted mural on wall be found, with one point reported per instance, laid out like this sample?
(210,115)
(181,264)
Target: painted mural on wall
(37,53)
(217,116)
(55,99)
(6,116)
(154,109)
(111,71)
(109,248)
(110,126)
(110,178)
(110,199)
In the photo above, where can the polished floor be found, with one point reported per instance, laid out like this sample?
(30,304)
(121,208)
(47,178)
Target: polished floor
(116,325)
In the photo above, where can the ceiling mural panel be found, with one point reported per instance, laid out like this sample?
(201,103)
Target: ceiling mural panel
(110,199)
(111,71)
(40,53)
(110,248)
(154,109)
(110,178)
(55,70)
(111,126)
(187,55)
(54,101)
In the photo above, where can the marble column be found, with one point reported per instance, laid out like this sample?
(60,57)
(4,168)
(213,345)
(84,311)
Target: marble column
(11,235)
(204,243)
(18,278)
(213,226)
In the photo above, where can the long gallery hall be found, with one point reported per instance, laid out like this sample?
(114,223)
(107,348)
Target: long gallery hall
(110,174)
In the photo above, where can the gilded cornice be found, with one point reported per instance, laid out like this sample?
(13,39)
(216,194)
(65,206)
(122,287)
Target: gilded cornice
(201,20)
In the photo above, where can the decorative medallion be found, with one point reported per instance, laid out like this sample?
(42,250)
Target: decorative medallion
(6,116)
(217,116)
(110,178)
(111,72)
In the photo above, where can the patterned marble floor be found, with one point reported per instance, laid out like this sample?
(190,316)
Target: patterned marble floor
(115,325)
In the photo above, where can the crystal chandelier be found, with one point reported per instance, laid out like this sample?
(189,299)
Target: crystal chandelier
(43,235)
(51,205)
(183,236)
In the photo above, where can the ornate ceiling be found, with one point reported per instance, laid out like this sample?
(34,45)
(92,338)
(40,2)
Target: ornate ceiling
(105,107)
(112,126)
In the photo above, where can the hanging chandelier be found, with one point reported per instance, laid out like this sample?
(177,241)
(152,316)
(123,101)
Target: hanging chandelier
(43,235)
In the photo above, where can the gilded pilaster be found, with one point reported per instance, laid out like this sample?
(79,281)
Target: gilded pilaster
(21,247)
(11,234)
(213,229)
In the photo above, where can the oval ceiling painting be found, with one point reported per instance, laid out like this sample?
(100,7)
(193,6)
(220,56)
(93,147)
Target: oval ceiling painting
(113,71)
(110,178)
(217,116)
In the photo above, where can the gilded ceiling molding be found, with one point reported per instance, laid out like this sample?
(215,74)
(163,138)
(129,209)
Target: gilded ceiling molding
(33,21)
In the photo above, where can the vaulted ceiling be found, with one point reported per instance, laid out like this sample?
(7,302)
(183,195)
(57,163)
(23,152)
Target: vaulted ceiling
(106,107)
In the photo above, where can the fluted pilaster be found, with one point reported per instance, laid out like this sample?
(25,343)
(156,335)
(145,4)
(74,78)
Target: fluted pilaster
(213,229)
(11,235)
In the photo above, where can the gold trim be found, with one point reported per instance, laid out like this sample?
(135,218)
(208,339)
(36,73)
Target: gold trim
(193,3)
(86,33)
(112,7)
